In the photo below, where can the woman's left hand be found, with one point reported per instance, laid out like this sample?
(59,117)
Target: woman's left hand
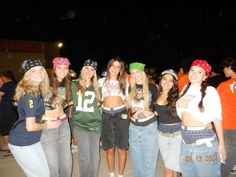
(223,152)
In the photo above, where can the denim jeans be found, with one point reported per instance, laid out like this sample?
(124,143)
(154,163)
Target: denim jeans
(230,144)
(56,144)
(200,160)
(170,150)
(89,157)
(31,159)
(144,149)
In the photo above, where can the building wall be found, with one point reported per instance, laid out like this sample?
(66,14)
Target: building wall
(13,53)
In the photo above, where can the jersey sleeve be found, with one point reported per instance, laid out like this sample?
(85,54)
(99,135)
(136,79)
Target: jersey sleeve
(30,106)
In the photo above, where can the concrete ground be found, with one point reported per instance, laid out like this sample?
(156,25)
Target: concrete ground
(9,167)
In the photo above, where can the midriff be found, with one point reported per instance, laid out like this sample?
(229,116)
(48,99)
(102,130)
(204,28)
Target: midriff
(146,113)
(54,113)
(189,120)
(112,101)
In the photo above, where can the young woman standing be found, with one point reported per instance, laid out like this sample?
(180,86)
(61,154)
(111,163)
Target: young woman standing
(143,123)
(24,139)
(198,106)
(56,142)
(114,88)
(86,119)
(169,135)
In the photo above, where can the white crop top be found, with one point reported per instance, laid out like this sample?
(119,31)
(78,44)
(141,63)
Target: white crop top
(112,88)
(211,102)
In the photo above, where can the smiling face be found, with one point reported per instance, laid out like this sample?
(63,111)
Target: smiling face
(167,82)
(36,74)
(88,72)
(114,69)
(197,75)
(61,72)
(136,75)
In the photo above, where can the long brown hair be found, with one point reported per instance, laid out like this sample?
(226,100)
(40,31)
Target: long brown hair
(172,96)
(122,74)
(55,84)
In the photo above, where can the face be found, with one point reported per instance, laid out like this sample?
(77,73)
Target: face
(167,82)
(61,72)
(115,68)
(226,71)
(197,75)
(36,74)
(136,75)
(88,72)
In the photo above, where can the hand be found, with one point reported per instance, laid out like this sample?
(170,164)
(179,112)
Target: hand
(223,152)
(53,123)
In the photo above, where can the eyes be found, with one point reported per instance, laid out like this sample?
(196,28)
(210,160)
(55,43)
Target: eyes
(89,68)
(198,70)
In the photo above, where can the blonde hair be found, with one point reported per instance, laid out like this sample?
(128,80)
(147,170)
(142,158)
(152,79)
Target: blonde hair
(81,84)
(145,90)
(27,86)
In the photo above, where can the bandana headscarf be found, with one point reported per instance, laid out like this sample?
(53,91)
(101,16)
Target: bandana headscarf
(60,61)
(136,66)
(92,63)
(202,64)
(30,63)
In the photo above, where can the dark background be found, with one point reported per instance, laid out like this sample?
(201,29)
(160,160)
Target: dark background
(160,34)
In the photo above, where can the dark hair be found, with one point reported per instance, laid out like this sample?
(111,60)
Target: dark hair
(172,97)
(229,62)
(55,84)
(9,75)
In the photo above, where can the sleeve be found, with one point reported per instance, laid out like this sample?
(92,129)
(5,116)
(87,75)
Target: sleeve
(212,103)
(30,106)
(101,81)
(3,89)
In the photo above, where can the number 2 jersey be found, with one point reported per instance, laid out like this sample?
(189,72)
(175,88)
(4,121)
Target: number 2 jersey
(86,116)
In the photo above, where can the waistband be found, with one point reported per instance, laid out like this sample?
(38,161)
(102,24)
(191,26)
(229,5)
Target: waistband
(141,122)
(62,117)
(207,141)
(193,128)
(114,109)
(170,134)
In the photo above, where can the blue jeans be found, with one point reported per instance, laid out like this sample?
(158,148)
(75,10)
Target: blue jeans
(31,159)
(89,157)
(200,160)
(144,149)
(230,145)
(56,144)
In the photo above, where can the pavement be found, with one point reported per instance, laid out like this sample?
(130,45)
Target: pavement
(9,167)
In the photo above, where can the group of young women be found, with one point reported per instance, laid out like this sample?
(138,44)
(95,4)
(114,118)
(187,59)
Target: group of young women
(124,113)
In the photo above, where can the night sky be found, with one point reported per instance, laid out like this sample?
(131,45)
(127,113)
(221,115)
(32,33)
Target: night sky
(159,34)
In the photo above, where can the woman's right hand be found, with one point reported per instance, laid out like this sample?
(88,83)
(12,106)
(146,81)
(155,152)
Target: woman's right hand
(53,123)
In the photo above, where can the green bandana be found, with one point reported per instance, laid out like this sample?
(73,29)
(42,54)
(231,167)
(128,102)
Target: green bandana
(136,66)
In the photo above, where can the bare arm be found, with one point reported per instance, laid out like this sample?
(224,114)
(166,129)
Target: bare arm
(220,134)
(1,94)
(31,125)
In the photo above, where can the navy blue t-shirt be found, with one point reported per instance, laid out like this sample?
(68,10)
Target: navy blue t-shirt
(28,106)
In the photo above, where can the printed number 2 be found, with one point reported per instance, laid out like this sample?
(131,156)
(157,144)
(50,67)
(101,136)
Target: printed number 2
(86,106)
